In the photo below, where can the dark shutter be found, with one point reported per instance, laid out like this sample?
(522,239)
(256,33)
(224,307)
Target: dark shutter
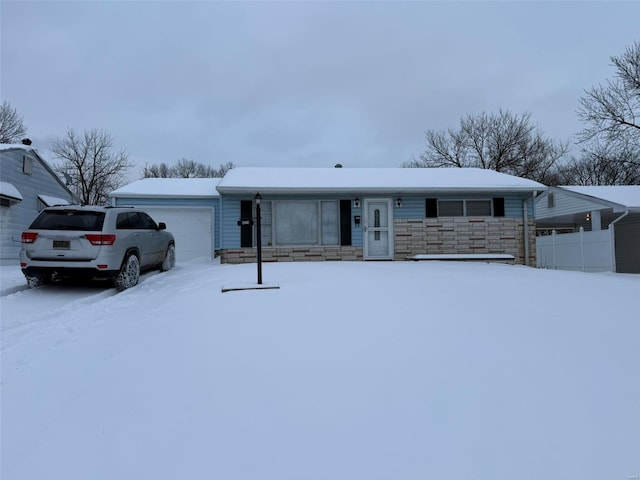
(498,207)
(345,222)
(432,207)
(246,231)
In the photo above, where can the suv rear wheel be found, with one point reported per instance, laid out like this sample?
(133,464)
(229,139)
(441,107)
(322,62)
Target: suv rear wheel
(129,273)
(37,280)
(169,259)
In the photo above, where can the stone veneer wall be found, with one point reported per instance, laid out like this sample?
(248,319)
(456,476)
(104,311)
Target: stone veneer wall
(464,235)
(292,254)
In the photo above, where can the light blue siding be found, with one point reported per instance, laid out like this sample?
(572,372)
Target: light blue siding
(412,208)
(16,218)
(229,228)
(356,230)
(565,203)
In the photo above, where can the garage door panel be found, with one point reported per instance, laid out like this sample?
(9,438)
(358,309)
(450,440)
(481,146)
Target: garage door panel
(191,227)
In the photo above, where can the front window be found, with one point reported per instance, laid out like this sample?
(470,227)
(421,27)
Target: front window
(300,222)
(478,208)
(462,208)
(450,208)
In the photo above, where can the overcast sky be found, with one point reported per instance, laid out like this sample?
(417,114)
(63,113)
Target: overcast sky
(299,83)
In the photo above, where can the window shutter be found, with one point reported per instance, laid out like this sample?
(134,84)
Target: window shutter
(498,207)
(431,208)
(246,231)
(345,222)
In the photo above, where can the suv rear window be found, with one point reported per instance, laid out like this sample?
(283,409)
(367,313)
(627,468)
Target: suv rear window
(69,220)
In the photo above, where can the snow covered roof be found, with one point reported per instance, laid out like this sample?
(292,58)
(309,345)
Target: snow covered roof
(370,180)
(7,190)
(169,187)
(13,146)
(50,201)
(625,195)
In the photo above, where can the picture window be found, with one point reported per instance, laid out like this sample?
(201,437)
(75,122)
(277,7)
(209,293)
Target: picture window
(300,222)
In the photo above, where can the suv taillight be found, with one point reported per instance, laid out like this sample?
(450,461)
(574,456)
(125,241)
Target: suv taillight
(99,239)
(29,237)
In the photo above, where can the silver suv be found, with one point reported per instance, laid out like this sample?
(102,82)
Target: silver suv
(94,242)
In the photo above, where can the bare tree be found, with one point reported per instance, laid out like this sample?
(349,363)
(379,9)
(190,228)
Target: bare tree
(612,111)
(190,169)
(89,165)
(603,164)
(610,140)
(503,142)
(185,168)
(158,170)
(12,129)
(222,170)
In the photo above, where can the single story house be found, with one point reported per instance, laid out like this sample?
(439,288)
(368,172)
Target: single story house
(589,228)
(189,207)
(27,185)
(377,214)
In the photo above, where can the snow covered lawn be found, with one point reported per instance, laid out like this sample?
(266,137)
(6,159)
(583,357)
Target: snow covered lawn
(392,370)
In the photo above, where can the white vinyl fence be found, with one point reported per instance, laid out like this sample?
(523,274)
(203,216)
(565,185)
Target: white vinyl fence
(585,251)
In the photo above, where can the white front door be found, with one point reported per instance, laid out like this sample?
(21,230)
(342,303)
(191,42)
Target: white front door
(378,229)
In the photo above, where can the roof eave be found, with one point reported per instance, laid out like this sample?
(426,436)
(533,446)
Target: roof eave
(160,195)
(373,191)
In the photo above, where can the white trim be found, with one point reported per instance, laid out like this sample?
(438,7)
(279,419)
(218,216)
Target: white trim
(388,229)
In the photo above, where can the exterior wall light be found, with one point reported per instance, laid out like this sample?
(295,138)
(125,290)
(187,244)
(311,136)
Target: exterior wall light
(399,203)
(356,203)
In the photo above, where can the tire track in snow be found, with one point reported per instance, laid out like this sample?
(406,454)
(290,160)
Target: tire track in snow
(43,309)
(29,313)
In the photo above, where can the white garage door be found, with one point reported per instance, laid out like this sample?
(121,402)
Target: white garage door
(191,227)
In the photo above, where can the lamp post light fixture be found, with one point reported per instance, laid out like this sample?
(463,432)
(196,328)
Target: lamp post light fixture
(258,199)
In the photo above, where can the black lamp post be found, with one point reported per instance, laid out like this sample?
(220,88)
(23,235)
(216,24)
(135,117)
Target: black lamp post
(258,199)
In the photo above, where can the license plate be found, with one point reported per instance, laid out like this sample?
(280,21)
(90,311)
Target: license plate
(61,244)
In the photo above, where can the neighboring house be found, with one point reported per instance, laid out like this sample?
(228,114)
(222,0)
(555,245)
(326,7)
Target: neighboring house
(591,228)
(189,207)
(27,185)
(377,214)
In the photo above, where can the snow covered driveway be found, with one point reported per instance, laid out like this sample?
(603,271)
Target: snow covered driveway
(352,370)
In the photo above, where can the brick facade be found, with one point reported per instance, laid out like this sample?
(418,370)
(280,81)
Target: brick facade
(463,235)
(293,254)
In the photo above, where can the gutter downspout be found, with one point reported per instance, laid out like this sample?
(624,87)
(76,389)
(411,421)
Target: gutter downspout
(525,218)
(613,240)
